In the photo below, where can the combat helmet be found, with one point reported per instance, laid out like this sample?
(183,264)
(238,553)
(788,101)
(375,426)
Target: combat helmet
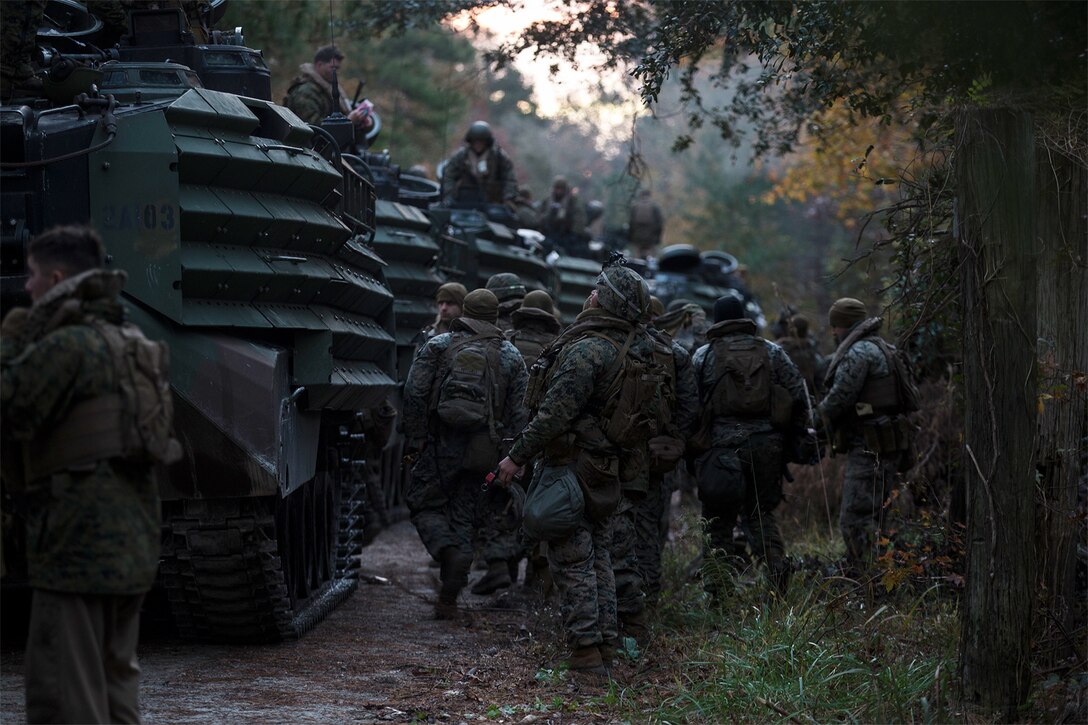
(506,286)
(623,292)
(480,131)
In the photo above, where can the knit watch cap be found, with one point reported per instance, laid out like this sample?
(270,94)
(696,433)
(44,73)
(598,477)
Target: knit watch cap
(481,304)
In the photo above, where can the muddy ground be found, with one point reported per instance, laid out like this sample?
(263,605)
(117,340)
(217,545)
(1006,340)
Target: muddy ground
(380,657)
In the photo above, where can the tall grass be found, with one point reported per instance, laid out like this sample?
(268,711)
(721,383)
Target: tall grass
(826,652)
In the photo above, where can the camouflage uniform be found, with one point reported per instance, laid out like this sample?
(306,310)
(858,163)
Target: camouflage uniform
(869,476)
(645,224)
(803,352)
(742,473)
(310,96)
(463,181)
(562,220)
(565,427)
(446,502)
(20,20)
(533,326)
(93,533)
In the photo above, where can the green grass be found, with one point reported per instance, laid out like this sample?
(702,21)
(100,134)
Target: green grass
(827,652)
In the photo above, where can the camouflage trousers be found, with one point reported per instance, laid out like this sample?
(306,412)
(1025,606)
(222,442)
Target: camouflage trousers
(582,569)
(497,527)
(624,556)
(651,529)
(866,485)
(450,511)
(745,481)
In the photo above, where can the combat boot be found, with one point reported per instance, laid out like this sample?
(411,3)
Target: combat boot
(20,78)
(588,660)
(496,578)
(636,626)
(608,653)
(454,574)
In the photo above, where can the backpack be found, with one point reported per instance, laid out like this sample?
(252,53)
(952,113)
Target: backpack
(147,410)
(465,399)
(906,391)
(742,366)
(638,405)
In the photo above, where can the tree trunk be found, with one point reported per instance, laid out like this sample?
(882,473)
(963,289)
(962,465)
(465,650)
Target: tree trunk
(1063,404)
(997,235)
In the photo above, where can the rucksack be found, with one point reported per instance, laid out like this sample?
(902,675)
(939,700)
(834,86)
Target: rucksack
(742,366)
(638,405)
(906,390)
(147,410)
(465,399)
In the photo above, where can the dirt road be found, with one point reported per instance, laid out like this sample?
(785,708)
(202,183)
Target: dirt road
(381,657)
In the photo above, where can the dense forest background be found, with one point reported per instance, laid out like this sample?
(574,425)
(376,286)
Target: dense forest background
(794,220)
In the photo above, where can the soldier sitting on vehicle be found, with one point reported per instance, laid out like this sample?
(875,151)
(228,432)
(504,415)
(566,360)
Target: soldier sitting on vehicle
(75,377)
(310,95)
(562,216)
(462,398)
(479,172)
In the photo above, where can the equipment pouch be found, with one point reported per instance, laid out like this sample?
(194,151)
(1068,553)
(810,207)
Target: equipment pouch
(720,478)
(599,476)
(665,452)
(481,453)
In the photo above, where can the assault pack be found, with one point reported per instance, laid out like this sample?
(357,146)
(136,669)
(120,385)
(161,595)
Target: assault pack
(466,399)
(135,423)
(638,403)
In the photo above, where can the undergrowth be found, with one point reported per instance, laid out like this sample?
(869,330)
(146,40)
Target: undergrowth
(829,650)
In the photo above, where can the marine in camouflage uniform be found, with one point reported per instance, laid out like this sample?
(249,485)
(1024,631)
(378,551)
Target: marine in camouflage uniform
(510,291)
(19,21)
(93,530)
(310,95)
(446,501)
(479,172)
(742,473)
(533,326)
(449,298)
(856,366)
(802,351)
(652,512)
(567,430)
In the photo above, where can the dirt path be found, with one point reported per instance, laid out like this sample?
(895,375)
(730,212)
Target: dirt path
(380,657)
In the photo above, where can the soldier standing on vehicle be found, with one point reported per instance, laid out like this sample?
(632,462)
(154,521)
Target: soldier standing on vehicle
(479,172)
(645,225)
(754,399)
(310,95)
(562,216)
(463,397)
(510,291)
(75,376)
(448,299)
(597,403)
(20,22)
(866,408)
